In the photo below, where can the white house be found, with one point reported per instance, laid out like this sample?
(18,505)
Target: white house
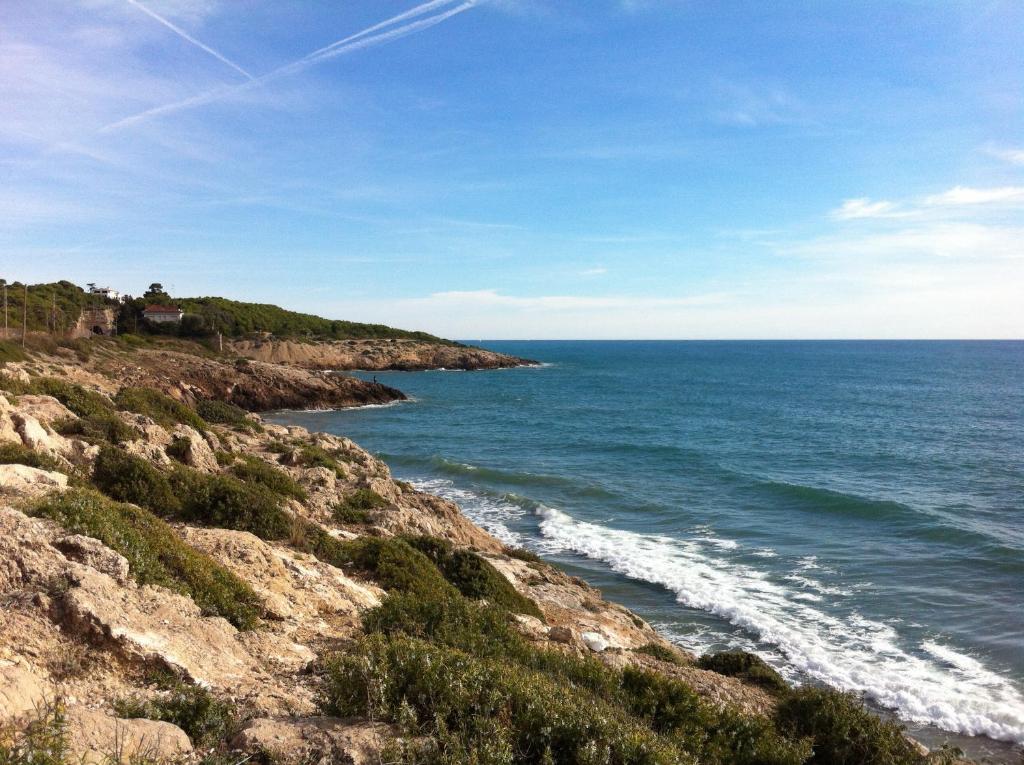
(107,293)
(163,314)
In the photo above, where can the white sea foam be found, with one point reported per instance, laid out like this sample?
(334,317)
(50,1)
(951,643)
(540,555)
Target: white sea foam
(936,685)
(489,513)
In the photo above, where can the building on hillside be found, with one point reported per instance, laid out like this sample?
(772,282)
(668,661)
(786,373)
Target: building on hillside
(106,292)
(163,314)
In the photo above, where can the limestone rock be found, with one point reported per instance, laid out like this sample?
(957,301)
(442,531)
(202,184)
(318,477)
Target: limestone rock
(198,454)
(314,740)
(44,409)
(22,692)
(96,738)
(28,482)
(560,634)
(93,553)
(595,641)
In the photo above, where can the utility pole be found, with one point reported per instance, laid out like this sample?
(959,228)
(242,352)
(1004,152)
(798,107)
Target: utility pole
(24,318)
(5,309)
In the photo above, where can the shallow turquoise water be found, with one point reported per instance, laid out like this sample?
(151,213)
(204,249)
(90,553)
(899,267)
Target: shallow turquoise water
(853,511)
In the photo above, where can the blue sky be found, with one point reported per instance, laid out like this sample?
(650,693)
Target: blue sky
(529,168)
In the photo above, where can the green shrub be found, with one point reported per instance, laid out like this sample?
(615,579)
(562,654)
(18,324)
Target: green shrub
(660,652)
(256,471)
(158,406)
(17,454)
(521,553)
(485,711)
(99,427)
(127,478)
(224,458)
(179,448)
(356,506)
(156,555)
(278,447)
(489,710)
(42,740)
(473,576)
(223,413)
(315,456)
(11,352)
(745,666)
(395,565)
(842,730)
(447,619)
(79,400)
(226,502)
(195,710)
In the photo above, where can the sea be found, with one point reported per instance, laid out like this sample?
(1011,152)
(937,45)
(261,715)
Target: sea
(853,512)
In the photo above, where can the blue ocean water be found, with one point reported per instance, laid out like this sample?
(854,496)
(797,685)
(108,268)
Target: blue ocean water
(852,511)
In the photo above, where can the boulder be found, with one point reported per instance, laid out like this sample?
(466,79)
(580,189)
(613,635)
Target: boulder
(28,482)
(560,635)
(22,693)
(595,641)
(96,738)
(291,741)
(198,453)
(45,409)
(93,553)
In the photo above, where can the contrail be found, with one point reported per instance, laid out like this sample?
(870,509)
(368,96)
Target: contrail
(419,10)
(358,41)
(182,33)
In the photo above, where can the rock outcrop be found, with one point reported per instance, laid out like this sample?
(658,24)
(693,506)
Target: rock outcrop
(375,355)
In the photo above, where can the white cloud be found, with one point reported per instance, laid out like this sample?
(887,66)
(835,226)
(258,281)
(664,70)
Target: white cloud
(943,240)
(965,195)
(862,207)
(596,271)
(1014,156)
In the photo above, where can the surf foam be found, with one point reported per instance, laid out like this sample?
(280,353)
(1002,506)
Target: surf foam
(940,686)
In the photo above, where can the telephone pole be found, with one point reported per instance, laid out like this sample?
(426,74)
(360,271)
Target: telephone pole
(24,318)
(5,309)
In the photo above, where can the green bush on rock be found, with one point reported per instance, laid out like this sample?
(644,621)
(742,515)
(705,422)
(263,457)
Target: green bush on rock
(159,407)
(745,666)
(127,478)
(156,555)
(253,470)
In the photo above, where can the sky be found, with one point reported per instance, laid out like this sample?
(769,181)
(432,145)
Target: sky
(487,169)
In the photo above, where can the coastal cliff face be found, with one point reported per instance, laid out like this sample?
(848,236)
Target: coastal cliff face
(374,355)
(175,589)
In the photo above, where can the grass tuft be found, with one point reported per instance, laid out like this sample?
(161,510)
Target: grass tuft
(744,666)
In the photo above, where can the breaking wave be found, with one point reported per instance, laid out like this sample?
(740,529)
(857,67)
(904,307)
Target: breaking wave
(931,683)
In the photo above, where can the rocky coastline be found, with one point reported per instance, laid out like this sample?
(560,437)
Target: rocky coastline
(154,562)
(375,355)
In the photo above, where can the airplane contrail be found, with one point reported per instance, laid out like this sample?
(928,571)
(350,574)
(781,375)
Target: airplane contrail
(358,41)
(419,10)
(185,35)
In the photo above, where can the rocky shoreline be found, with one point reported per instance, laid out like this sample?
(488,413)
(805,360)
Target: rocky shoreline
(153,562)
(375,355)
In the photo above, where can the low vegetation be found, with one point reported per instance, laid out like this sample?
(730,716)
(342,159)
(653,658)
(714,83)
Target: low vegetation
(40,741)
(356,507)
(311,455)
(206,719)
(11,352)
(223,413)
(224,501)
(127,478)
(660,652)
(158,406)
(98,428)
(473,576)
(745,666)
(255,471)
(155,554)
(16,454)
